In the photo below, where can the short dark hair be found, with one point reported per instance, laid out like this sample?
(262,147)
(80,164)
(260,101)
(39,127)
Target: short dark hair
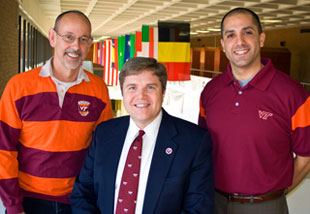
(243,10)
(59,17)
(137,65)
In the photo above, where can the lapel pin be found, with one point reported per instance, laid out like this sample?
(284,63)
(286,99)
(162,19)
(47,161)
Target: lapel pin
(169,151)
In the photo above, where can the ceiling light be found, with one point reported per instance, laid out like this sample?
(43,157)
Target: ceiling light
(193,33)
(271,21)
(214,29)
(202,31)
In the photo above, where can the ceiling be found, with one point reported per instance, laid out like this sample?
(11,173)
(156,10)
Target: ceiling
(111,18)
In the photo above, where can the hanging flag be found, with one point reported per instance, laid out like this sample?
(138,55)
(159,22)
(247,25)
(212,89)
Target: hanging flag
(132,45)
(110,74)
(116,54)
(121,51)
(98,54)
(138,43)
(116,70)
(153,42)
(101,54)
(127,48)
(107,61)
(114,67)
(174,49)
(95,59)
(112,71)
(145,42)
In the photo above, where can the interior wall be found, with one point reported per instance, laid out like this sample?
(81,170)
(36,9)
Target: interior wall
(298,44)
(206,41)
(8,41)
(291,38)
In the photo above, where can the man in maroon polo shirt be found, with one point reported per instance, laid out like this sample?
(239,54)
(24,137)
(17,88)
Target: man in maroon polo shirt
(258,118)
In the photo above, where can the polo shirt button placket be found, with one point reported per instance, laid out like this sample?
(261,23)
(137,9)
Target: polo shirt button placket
(236,108)
(237,103)
(236,100)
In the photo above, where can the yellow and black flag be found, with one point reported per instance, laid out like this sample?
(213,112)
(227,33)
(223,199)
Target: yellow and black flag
(174,49)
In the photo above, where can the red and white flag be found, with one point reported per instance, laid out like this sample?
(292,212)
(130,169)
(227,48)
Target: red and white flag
(110,74)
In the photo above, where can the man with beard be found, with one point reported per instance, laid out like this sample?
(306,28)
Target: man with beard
(47,116)
(258,117)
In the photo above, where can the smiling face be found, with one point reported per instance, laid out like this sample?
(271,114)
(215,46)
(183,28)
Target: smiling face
(69,56)
(143,97)
(242,42)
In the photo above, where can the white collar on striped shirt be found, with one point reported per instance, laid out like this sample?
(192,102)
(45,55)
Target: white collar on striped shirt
(46,71)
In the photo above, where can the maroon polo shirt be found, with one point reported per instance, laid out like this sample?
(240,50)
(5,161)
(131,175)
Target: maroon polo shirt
(256,129)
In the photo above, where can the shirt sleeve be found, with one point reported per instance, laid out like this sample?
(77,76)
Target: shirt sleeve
(10,128)
(202,122)
(300,122)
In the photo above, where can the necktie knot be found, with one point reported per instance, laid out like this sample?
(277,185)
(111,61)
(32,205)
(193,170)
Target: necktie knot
(141,133)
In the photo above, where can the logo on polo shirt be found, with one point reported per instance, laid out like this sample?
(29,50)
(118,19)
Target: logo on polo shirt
(264,115)
(83,107)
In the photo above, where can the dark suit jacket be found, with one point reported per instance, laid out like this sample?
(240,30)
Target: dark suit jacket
(181,182)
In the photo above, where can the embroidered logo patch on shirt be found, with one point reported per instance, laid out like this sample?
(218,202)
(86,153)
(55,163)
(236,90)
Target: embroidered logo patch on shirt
(264,115)
(83,107)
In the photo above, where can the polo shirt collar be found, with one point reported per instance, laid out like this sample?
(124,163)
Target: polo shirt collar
(261,80)
(46,71)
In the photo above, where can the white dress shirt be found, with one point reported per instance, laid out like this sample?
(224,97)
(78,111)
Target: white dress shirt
(62,87)
(149,140)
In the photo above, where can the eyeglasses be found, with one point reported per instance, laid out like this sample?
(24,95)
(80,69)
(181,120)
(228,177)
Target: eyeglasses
(69,38)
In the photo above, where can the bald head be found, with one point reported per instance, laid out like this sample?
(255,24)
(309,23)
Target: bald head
(76,12)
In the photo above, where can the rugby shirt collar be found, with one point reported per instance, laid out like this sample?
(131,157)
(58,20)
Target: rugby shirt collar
(46,71)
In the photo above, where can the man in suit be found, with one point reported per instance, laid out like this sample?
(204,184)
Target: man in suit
(175,175)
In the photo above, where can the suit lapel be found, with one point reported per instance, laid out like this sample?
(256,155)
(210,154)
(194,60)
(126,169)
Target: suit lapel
(161,162)
(110,157)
